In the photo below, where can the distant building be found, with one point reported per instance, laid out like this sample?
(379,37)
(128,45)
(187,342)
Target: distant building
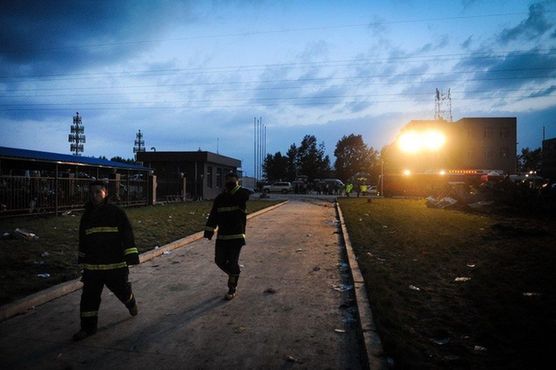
(42,182)
(548,168)
(487,143)
(191,175)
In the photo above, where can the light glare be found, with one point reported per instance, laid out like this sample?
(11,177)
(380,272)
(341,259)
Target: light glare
(414,142)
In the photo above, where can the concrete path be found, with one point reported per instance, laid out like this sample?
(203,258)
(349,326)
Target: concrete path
(290,312)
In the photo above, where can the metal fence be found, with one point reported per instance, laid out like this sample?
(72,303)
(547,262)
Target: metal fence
(29,195)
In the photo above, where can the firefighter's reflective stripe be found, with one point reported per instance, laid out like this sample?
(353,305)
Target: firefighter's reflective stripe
(130,298)
(130,251)
(110,266)
(208,228)
(229,209)
(105,229)
(89,314)
(231,237)
(235,189)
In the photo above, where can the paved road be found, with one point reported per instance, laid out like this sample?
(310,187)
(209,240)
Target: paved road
(285,315)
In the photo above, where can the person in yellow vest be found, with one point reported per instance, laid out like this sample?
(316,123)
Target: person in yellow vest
(106,248)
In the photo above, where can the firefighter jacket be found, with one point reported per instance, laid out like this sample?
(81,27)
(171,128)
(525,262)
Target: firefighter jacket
(229,214)
(106,239)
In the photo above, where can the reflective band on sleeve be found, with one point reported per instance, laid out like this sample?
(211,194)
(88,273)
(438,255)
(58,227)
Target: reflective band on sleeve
(231,237)
(89,314)
(208,228)
(107,229)
(235,189)
(110,266)
(130,251)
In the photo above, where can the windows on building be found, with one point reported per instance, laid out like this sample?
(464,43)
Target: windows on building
(209,176)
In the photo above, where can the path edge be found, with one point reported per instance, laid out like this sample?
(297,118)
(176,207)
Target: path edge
(56,291)
(371,338)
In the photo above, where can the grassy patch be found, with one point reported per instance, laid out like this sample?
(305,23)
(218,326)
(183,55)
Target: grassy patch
(55,252)
(401,243)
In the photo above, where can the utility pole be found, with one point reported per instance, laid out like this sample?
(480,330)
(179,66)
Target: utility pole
(139,144)
(76,138)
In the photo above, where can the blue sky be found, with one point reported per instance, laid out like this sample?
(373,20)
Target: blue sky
(189,72)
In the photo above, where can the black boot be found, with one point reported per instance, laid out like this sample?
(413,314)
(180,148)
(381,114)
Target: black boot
(132,306)
(232,287)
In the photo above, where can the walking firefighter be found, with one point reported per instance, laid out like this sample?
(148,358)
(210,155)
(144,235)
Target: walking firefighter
(106,248)
(228,213)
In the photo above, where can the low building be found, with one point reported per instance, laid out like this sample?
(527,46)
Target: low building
(548,168)
(43,182)
(189,175)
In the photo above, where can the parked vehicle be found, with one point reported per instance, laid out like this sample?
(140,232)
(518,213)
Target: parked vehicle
(278,187)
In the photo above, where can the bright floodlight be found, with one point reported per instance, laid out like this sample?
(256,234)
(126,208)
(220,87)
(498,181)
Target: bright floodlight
(406,172)
(414,142)
(410,142)
(442,172)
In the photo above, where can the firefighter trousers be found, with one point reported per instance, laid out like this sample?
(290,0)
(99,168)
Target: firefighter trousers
(226,256)
(93,282)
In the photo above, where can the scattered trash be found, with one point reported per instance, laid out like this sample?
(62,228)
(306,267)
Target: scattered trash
(339,330)
(479,348)
(531,294)
(154,265)
(384,226)
(239,329)
(45,254)
(44,275)
(445,202)
(169,216)
(6,235)
(309,235)
(139,221)
(242,266)
(299,250)
(342,287)
(360,219)
(480,204)
(156,247)
(370,254)
(440,341)
(293,359)
(413,287)
(471,266)
(316,268)
(24,234)
(462,279)
(270,291)
(166,253)
(191,213)
(67,213)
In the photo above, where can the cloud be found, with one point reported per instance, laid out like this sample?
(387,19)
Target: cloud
(512,70)
(531,28)
(442,42)
(467,43)
(66,35)
(544,92)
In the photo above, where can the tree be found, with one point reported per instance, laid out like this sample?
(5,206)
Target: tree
(353,156)
(291,155)
(530,160)
(122,160)
(275,167)
(311,160)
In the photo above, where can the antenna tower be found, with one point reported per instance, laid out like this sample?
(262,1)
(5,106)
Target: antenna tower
(76,138)
(443,106)
(139,143)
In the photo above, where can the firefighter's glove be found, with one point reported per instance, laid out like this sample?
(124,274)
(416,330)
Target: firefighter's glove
(208,234)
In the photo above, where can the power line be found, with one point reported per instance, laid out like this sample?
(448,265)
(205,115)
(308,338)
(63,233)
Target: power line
(254,67)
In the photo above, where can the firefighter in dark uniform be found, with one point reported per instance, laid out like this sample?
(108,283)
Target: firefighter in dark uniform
(106,248)
(229,214)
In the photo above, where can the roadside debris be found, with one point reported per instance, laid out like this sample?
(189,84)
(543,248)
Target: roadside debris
(413,287)
(531,294)
(166,253)
(440,341)
(316,268)
(339,330)
(479,349)
(44,275)
(471,266)
(45,254)
(342,287)
(290,358)
(24,234)
(462,279)
(299,250)
(445,202)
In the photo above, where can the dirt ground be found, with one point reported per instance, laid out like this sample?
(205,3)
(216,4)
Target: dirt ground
(294,309)
(55,252)
(452,290)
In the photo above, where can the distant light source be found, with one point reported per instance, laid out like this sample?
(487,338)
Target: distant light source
(442,172)
(406,172)
(414,141)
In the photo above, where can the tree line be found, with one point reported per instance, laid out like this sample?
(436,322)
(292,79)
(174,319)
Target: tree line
(353,158)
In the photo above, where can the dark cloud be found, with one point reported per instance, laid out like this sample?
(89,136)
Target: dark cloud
(442,42)
(467,43)
(544,92)
(513,70)
(531,28)
(41,37)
